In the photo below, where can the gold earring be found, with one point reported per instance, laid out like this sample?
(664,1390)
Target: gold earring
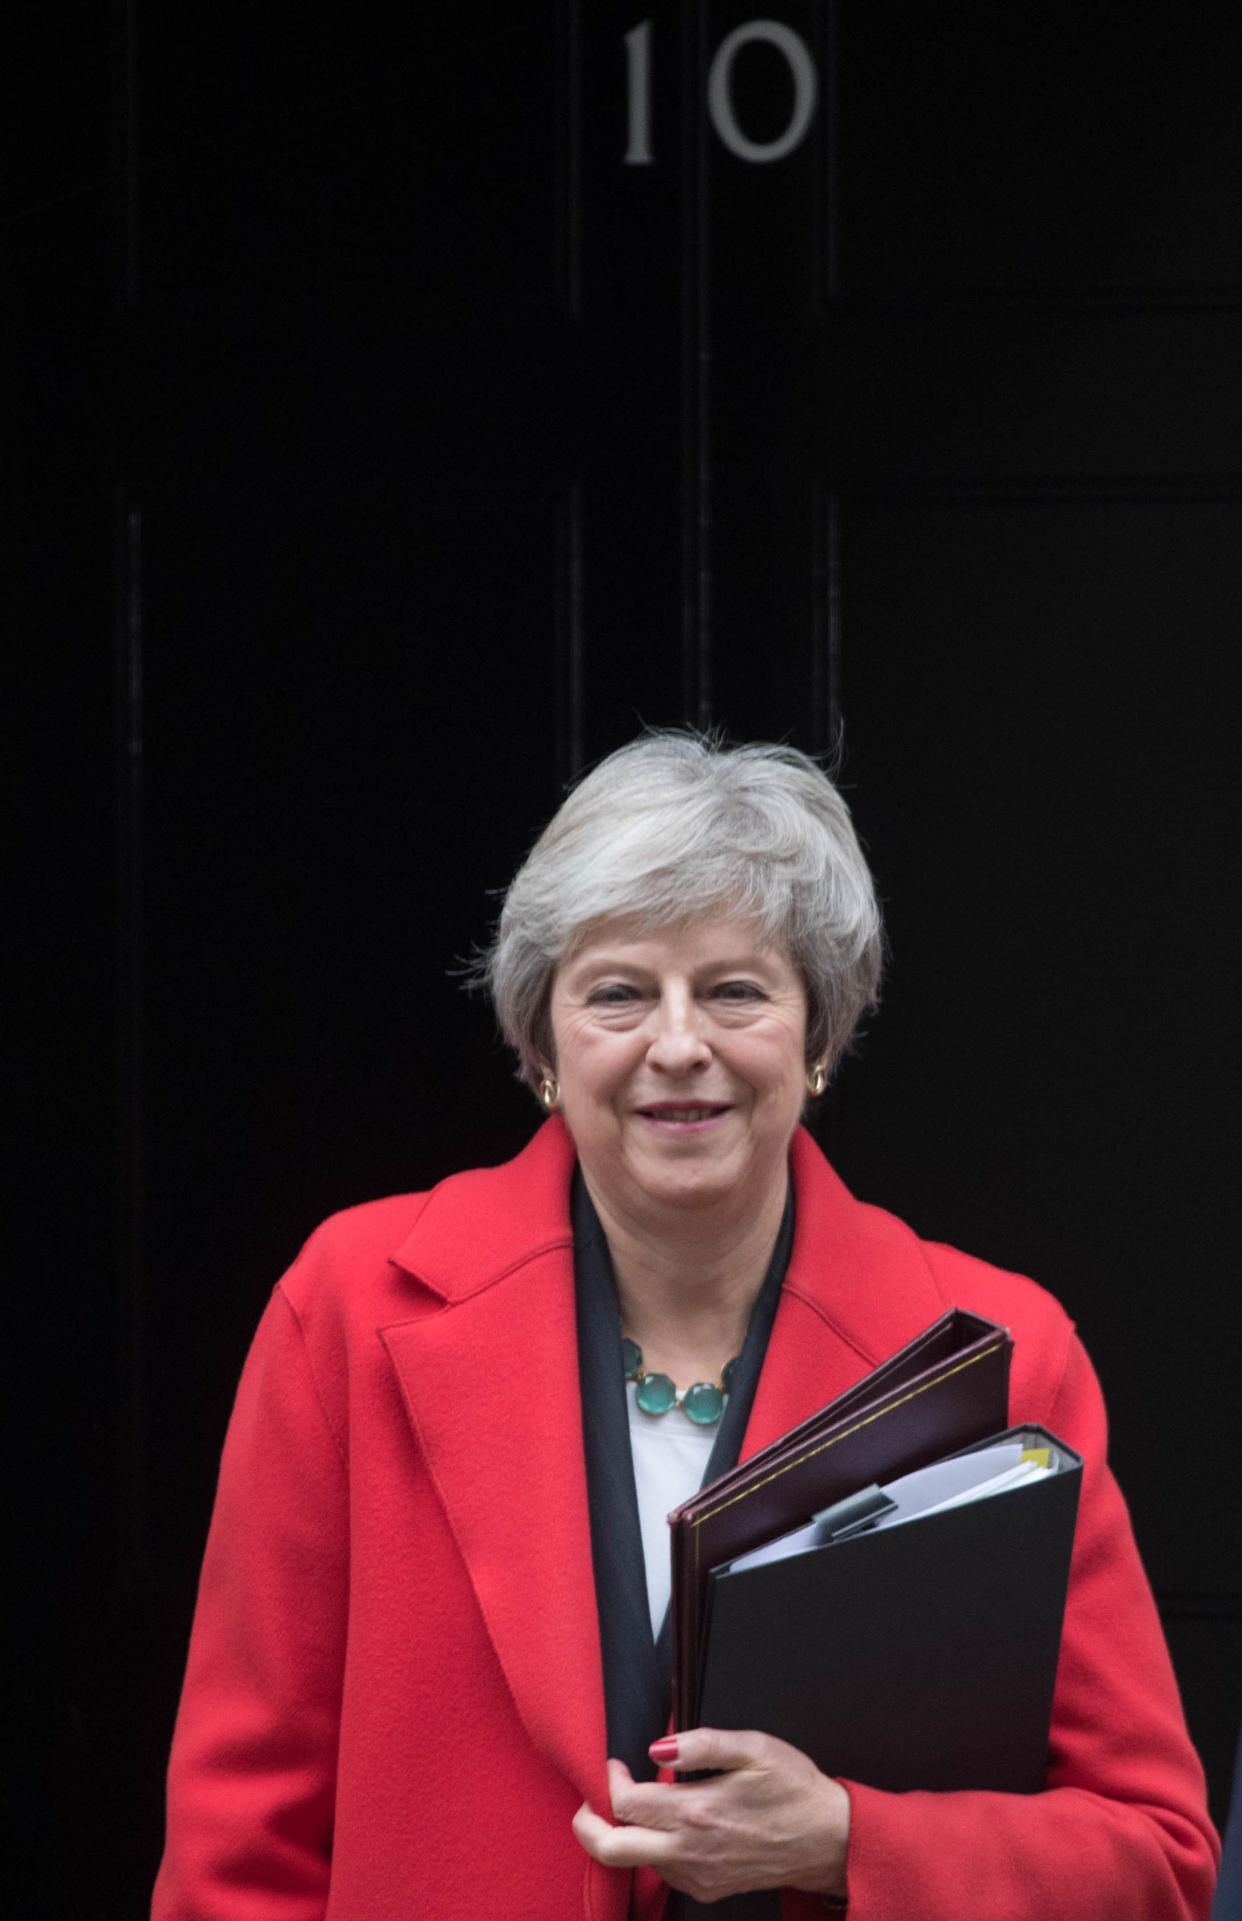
(550,1093)
(817,1079)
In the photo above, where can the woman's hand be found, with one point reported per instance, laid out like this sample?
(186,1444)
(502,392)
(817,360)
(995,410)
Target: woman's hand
(769,1819)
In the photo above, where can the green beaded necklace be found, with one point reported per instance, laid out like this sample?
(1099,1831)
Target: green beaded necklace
(656,1393)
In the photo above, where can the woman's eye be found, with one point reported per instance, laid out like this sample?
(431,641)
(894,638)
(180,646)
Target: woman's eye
(612,994)
(737,991)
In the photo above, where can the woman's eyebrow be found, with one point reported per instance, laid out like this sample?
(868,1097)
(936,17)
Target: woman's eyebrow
(605,963)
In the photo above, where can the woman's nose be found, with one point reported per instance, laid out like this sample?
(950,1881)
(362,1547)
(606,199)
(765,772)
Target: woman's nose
(679,1041)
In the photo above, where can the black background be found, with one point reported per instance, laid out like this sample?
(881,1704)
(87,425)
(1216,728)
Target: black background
(383,449)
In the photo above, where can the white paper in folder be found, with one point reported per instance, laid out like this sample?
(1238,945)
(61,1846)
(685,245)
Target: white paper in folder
(929,1490)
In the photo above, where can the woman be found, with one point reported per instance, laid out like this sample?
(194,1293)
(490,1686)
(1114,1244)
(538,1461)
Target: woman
(429,1675)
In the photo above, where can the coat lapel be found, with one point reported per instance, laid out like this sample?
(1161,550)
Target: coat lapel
(857,1289)
(505,1452)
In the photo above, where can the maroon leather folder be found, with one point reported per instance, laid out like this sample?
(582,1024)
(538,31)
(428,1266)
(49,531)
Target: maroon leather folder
(943,1391)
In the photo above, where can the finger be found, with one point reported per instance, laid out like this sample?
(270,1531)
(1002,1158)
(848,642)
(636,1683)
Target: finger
(625,1796)
(590,1828)
(646,1804)
(618,1847)
(719,1749)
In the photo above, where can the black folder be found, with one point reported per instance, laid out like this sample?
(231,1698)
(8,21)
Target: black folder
(945,1389)
(919,1655)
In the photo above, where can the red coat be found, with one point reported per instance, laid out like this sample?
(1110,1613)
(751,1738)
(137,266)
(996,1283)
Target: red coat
(394,1700)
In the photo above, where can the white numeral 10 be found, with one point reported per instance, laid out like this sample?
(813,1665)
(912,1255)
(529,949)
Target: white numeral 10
(788,44)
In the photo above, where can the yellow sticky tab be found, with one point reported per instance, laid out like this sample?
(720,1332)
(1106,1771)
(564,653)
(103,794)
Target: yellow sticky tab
(1042,1456)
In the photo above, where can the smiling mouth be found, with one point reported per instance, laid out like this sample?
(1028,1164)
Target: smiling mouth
(666,1111)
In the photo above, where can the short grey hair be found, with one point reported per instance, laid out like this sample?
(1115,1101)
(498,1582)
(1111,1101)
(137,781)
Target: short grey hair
(677,827)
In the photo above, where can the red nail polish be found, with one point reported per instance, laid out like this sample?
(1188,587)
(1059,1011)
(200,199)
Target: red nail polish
(664,1751)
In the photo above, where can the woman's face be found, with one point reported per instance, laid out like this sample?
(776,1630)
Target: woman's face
(681,1060)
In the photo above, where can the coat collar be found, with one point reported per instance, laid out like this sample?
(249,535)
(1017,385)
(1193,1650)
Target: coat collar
(495,1246)
(477,1227)
(858,1287)
(866,1268)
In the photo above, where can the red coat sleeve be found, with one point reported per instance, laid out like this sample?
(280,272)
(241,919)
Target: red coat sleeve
(251,1780)
(1121,1832)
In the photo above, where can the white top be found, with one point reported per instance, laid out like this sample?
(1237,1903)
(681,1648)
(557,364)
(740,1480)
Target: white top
(670,1453)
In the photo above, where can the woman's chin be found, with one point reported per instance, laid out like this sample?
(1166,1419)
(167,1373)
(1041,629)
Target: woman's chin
(693,1182)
